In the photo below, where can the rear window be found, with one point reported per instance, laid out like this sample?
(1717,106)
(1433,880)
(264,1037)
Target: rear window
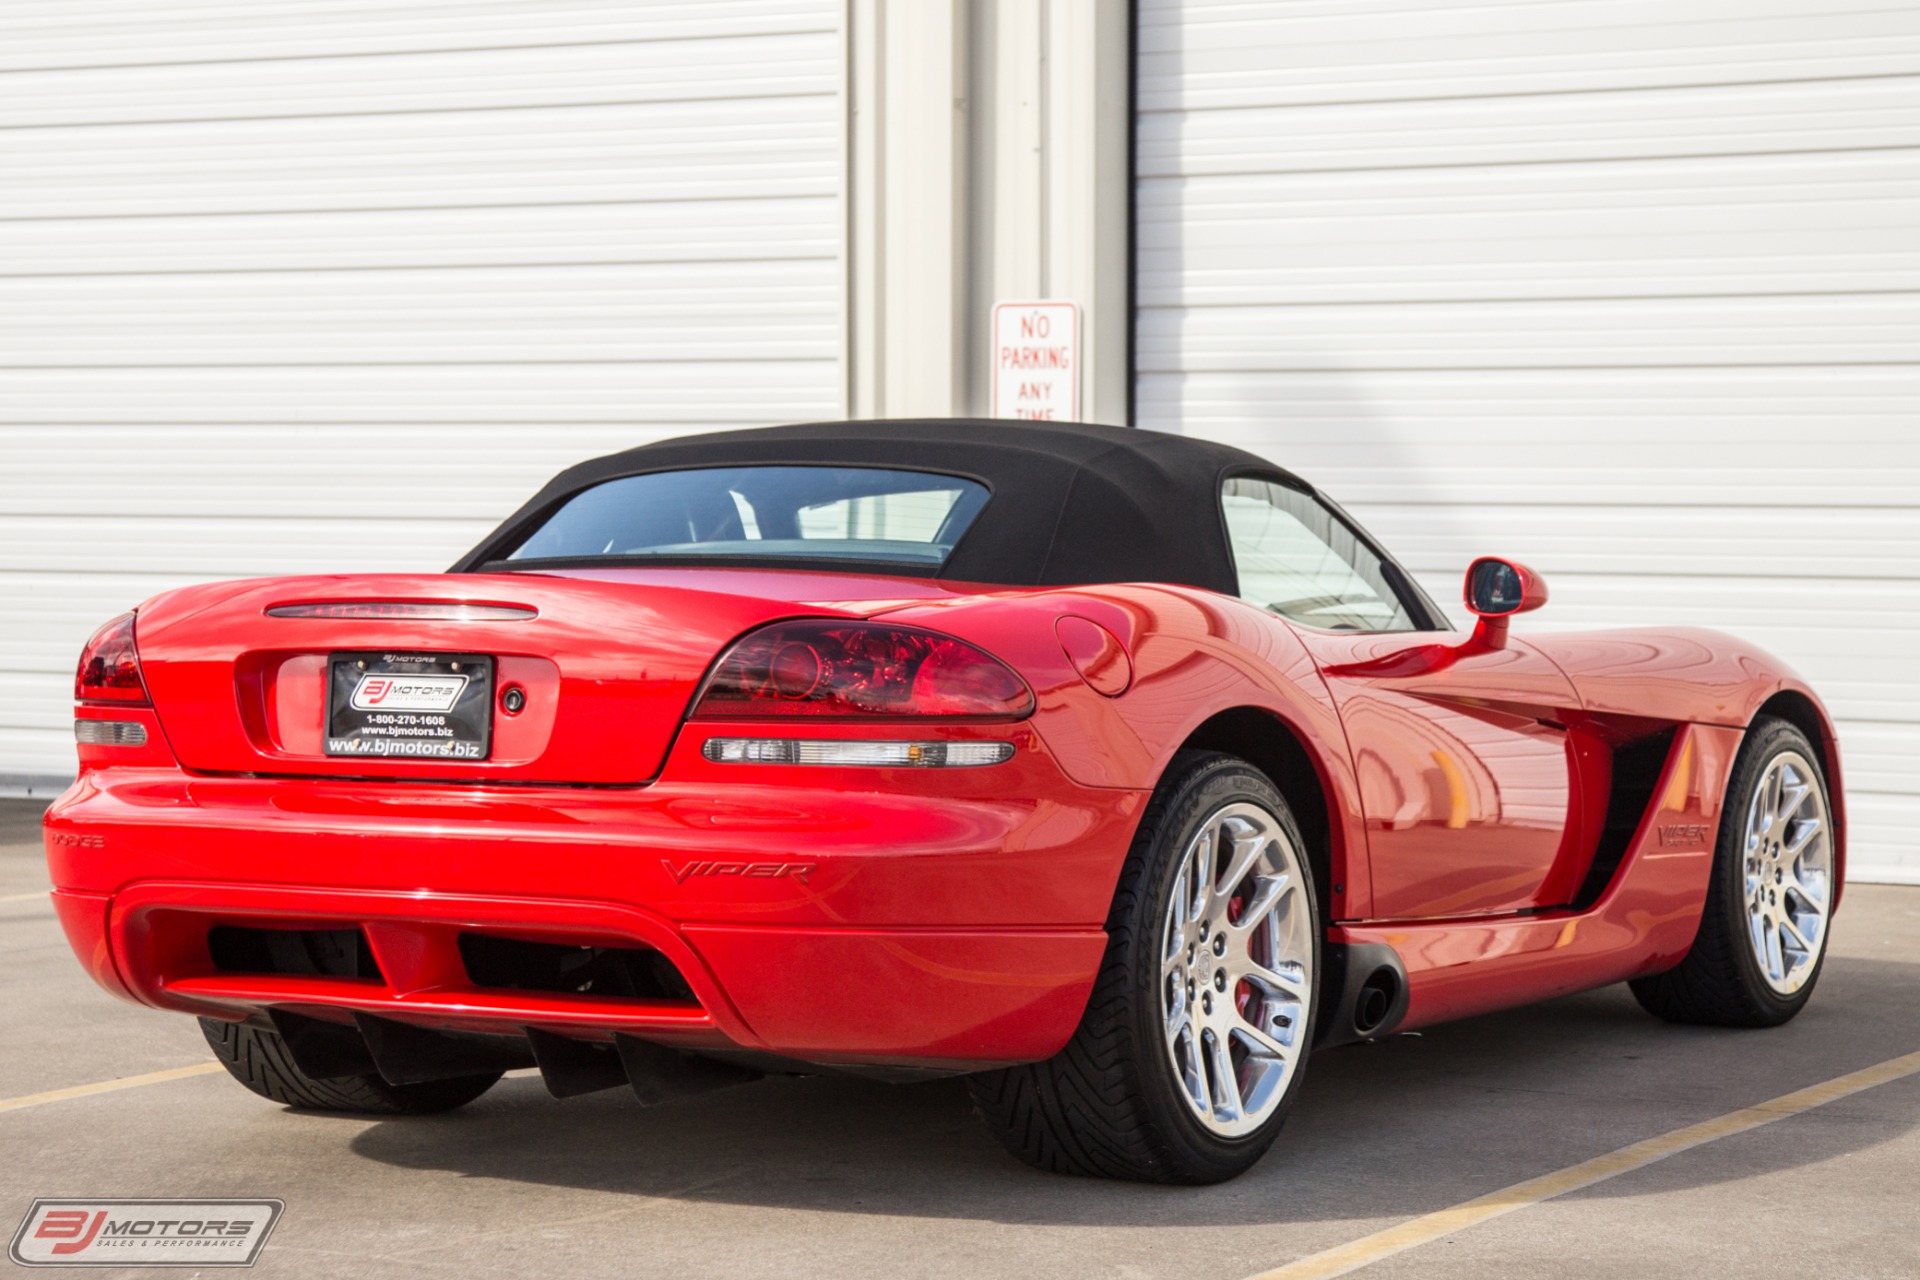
(757,513)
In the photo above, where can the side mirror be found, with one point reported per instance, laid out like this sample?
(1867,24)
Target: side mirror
(1496,590)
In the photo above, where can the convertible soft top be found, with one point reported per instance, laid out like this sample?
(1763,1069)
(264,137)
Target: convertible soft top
(1072,503)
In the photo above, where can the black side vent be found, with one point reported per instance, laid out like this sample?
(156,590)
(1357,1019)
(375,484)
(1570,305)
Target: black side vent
(620,973)
(1636,772)
(312,953)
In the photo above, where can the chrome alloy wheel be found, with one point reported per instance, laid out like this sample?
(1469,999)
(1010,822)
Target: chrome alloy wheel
(1236,969)
(1788,864)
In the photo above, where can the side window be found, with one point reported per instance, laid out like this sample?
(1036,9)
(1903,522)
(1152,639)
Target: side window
(1301,561)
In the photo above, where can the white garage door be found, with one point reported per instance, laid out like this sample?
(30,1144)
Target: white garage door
(1623,288)
(306,285)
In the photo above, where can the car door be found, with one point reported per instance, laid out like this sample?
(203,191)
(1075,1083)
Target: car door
(1466,773)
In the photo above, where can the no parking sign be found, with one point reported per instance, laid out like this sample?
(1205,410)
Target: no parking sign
(1036,361)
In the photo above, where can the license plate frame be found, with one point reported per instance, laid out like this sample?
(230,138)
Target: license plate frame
(389,705)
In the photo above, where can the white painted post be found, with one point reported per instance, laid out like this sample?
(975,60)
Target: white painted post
(986,163)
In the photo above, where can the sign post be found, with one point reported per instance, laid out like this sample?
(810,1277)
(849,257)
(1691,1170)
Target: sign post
(1036,361)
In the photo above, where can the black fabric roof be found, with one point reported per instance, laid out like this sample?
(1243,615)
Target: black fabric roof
(1072,503)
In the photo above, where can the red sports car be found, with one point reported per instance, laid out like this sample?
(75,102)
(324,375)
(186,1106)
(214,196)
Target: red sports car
(1117,770)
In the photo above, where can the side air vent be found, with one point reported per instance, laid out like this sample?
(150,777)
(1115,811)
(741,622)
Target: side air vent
(619,973)
(1636,772)
(312,953)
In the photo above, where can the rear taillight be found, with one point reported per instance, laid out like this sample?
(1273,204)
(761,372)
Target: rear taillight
(110,667)
(860,669)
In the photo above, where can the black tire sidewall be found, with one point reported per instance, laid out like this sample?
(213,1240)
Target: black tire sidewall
(259,1059)
(1207,786)
(1772,739)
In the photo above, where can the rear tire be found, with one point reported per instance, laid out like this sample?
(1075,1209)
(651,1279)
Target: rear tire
(258,1059)
(1745,968)
(1224,957)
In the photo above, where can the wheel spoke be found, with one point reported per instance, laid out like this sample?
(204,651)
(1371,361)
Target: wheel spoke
(1193,1075)
(1174,966)
(1177,1012)
(1260,1043)
(1816,900)
(1793,931)
(1776,961)
(1770,795)
(1267,892)
(1226,1082)
(1796,796)
(1200,885)
(1283,983)
(1803,837)
(1245,849)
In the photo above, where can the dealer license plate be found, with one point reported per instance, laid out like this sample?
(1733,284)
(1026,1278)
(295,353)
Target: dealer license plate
(410,706)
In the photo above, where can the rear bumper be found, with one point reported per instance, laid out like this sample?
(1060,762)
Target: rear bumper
(835,926)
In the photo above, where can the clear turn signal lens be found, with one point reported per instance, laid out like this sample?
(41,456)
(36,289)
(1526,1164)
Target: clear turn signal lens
(869,754)
(110,733)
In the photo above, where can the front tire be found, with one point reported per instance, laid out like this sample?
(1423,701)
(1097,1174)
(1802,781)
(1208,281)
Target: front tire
(1196,1036)
(1763,933)
(258,1059)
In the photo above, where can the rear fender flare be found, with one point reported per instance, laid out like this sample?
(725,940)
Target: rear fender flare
(1199,660)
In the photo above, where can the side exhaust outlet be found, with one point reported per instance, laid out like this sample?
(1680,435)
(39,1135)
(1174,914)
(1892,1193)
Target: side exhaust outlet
(1363,993)
(1375,1000)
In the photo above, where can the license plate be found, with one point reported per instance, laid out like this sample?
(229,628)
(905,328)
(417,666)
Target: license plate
(410,706)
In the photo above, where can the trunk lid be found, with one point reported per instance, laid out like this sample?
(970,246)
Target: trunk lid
(608,663)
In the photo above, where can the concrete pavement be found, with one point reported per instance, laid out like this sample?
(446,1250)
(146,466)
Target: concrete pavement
(850,1179)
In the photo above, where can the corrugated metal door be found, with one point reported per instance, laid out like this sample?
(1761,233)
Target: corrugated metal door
(1625,289)
(336,284)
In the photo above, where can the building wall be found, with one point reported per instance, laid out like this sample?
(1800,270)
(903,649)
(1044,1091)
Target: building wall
(1625,289)
(335,285)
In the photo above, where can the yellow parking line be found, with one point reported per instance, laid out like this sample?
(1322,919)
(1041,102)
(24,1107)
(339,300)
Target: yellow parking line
(1445,1222)
(22,897)
(108,1086)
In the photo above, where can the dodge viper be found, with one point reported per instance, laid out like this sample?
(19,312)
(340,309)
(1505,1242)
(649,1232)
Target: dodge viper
(1120,772)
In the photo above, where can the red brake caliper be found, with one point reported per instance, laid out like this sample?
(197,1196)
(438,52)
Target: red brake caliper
(1242,990)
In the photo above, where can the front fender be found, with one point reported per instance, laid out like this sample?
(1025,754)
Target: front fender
(1693,675)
